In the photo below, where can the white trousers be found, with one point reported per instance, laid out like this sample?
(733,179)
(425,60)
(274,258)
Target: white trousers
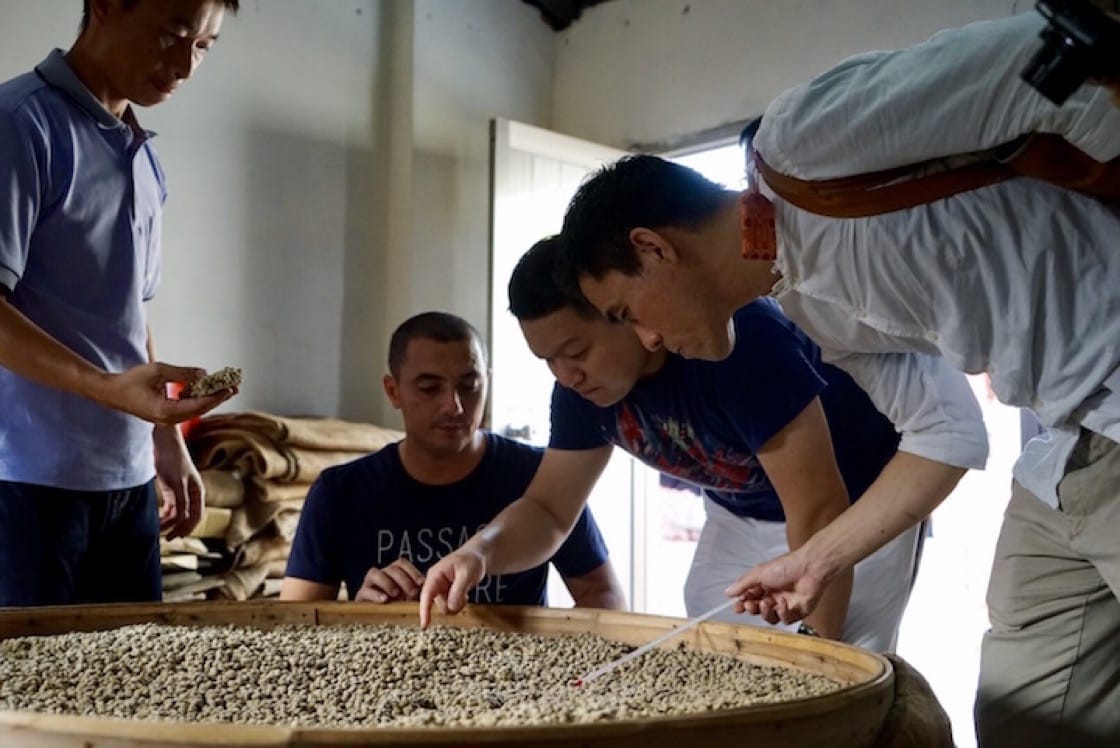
(730,545)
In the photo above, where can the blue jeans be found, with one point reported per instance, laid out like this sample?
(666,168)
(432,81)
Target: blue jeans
(60,547)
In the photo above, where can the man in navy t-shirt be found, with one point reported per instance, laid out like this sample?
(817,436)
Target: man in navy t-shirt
(380,522)
(775,440)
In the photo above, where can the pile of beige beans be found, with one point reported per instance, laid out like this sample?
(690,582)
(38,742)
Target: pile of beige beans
(373,676)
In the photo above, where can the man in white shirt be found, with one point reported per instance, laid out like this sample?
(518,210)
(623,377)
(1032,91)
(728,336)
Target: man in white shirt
(1019,279)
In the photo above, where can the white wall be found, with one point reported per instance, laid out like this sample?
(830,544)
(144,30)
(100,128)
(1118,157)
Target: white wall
(455,66)
(328,176)
(273,213)
(652,71)
(474,60)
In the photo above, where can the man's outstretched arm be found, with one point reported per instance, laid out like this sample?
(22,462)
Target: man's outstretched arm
(788,588)
(525,534)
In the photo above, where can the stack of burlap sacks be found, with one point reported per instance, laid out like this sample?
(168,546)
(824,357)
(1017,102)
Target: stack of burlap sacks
(257,469)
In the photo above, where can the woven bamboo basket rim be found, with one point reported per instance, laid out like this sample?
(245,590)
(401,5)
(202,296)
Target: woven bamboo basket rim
(866,694)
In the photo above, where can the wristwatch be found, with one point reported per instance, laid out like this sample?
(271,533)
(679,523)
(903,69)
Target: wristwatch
(807,630)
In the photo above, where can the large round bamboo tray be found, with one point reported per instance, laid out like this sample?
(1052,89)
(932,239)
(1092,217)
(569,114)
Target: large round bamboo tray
(850,717)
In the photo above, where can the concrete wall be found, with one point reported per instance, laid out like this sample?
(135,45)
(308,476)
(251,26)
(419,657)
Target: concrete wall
(656,71)
(474,60)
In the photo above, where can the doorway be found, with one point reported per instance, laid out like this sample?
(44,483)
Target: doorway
(650,525)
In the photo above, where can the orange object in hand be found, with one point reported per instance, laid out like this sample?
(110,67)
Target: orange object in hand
(173,391)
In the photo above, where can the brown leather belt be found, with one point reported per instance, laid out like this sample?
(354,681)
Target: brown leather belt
(1039,156)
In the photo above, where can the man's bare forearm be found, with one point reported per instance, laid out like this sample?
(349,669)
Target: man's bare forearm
(523,535)
(905,493)
(828,618)
(831,612)
(33,354)
(605,599)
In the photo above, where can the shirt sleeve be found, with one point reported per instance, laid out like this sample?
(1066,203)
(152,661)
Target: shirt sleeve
(929,402)
(154,255)
(22,181)
(769,378)
(575,421)
(314,550)
(956,93)
(584,551)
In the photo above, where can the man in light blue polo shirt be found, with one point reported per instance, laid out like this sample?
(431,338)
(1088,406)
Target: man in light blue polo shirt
(81,194)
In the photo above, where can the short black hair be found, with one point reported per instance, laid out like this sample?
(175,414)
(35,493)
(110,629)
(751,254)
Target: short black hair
(543,283)
(746,136)
(438,326)
(231,5)
(635,191)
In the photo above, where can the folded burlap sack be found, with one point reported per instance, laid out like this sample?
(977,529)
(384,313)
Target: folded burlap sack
(224,488)
(307,464)
(242,584)
(268,491)
(253,518)
(249,454)
(262,549)
(242,452)
(916,718)
(327,434)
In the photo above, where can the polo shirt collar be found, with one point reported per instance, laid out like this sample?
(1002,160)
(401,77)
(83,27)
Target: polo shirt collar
(58,73)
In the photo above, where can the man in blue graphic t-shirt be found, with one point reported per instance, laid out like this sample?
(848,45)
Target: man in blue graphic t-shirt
(775,440)
(380,522)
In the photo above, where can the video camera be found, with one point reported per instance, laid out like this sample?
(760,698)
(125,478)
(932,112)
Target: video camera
(1080,42)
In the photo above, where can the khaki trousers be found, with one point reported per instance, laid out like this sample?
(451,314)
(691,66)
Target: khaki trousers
(1050,664)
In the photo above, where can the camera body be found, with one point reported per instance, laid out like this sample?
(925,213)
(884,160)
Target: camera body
(1080,41)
